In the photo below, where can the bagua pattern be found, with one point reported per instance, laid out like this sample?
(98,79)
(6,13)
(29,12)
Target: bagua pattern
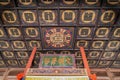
(61,28)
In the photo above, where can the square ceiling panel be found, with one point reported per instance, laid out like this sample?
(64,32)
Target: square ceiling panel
(57,37)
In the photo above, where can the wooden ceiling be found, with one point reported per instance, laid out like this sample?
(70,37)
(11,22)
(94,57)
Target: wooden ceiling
(60,27)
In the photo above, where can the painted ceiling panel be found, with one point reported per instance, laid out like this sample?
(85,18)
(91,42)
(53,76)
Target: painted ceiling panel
(60,27)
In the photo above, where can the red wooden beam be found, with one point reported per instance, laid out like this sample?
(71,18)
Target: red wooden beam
(86,66)
(21,75)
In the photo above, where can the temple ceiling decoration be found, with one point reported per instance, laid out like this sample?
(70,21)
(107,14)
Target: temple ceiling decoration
(60,27)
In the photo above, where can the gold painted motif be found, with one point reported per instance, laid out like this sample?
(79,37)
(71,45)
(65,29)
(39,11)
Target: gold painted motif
(68,16)
(91,62)
(19,44)
(8,54)
(23,62)
(25,2)
(29,16)
(94,54)
(107,16)
(22,54)
(84,32)
(118,57)
(31,32)
(108,54)
(102,32)
(58,38)
(14,32)
(98,44)
(113,44)
(91,2)
(1,33)
(114,2)
(33,44)
(117,32)
(78,54)
(103,63)
(69,2)
(48,16)
(82,43)
(2,63)
(47,1)
(78,62)
(4,44)
(88,16)
(9,16)
(12,62)
(35,62)
(116,63)
(4,2)
(37,54)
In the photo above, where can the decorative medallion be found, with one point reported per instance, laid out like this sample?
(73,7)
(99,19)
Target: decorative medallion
(33,43)
(102,32)
(48,17)
(50,3)
(69,2)
(14,32)
(82,43)
(91,2)
(88,17)
(68,16)
(2,63)
(28,17)
(12,63)
(108,55)
(77,54)
(18,44)
(113,2)
(98,44)
(4,45)
(104,63)
(94,54)
(118,56)
(47,1)
(35,63)
(8,54)
(25,2)
(116,33)
(2,33)
(92,63)
(9,17)
(113,45)
(84,32)
(116,64)
(107,17)
(22,55)
(23,62)
(37,55)
(60,38)
(79,62)
(5,2)
(32,32)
